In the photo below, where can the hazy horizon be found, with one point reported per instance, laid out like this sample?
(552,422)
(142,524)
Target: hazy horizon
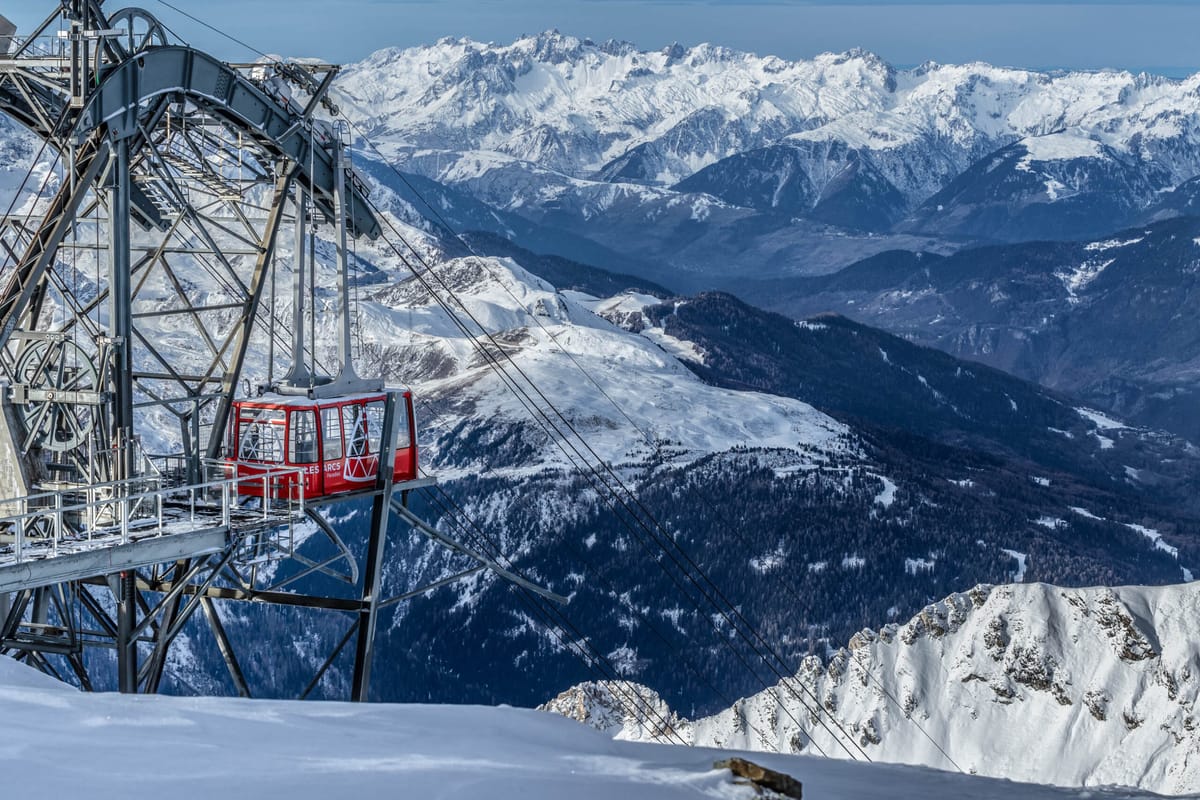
(1151,37)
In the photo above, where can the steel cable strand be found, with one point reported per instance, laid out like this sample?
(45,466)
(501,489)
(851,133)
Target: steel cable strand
(581,646)
(602,575)
(563,440)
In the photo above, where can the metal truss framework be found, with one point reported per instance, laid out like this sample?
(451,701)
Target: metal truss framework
(131,296)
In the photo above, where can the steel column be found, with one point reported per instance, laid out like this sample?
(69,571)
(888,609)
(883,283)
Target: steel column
(120,299)
(127,655)
(299,375)
(345,351)
(364,650)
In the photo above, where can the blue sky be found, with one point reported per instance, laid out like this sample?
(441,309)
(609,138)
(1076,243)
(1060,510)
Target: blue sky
(1160,36)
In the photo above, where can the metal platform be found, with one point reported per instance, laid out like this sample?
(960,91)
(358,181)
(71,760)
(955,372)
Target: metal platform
(131,293)
(124,525)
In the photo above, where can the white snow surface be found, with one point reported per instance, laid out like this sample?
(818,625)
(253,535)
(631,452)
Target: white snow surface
(563,346)
(1101,420)
(1074,687)
(1154,536)
(887,495)
(483,113)
(69,744)
(1022,563)
(1062,146)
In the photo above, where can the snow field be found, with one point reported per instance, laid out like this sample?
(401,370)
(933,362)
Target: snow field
(64,743)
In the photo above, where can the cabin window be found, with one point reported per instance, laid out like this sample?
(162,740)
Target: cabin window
(260,436)
(302,443)
(331,433)
(375,414)
(355,425)
(403,434)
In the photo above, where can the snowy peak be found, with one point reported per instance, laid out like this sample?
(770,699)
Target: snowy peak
(605,100)
(1110,675)
(684,159)
(627,394)
(605,705)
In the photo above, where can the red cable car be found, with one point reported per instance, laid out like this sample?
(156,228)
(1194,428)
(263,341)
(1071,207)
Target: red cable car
(335,441)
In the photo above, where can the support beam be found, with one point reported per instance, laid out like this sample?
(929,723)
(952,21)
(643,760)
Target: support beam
(226,648)
(364,650)
(247,596)
(250,314)
(298,375)
(345,348)
(127,655)
(508,575)
(170,612)
(120,298)
(26,277)
(337,651)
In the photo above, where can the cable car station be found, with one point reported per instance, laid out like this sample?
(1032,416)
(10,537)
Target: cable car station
(137,280)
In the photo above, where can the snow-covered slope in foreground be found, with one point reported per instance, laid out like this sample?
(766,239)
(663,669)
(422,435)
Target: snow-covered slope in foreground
(1076,687)
(61,743)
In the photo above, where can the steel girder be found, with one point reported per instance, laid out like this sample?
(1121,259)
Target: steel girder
(119,101)
(146,141)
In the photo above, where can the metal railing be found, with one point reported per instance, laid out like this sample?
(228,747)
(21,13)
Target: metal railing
(42,47)
(108,514)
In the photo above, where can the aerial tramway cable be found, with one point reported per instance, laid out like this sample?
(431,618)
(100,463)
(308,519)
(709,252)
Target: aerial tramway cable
(633,703)
(668,544)
(788,586)
(590,566)
(562,441)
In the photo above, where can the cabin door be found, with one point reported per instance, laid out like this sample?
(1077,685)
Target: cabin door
(363,426)
(304,450)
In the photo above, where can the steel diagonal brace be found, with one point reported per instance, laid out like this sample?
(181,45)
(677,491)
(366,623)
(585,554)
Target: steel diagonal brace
(59,219)
(245,327)
(436,535)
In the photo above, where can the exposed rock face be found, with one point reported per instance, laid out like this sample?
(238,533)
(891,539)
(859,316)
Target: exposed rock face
(603,705)
(766,782)
(1031,682)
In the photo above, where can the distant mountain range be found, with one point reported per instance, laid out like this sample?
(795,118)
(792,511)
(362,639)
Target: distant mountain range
(1111,321)
(708,165)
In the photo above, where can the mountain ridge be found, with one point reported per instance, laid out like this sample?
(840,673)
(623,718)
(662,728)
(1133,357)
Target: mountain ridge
(1105,676)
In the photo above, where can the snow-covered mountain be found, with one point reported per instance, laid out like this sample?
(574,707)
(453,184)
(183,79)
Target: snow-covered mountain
(587,109)
(71,743)
(707,159)
(864,519)
(1105,680)
(1108,320)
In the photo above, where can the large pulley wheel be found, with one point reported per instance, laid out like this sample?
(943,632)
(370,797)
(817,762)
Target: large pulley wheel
(141,30)
(51,378)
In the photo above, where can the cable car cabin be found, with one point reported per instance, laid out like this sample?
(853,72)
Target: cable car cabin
(335,441)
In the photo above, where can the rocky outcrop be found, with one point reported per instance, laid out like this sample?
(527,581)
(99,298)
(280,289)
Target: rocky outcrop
(1030,682)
